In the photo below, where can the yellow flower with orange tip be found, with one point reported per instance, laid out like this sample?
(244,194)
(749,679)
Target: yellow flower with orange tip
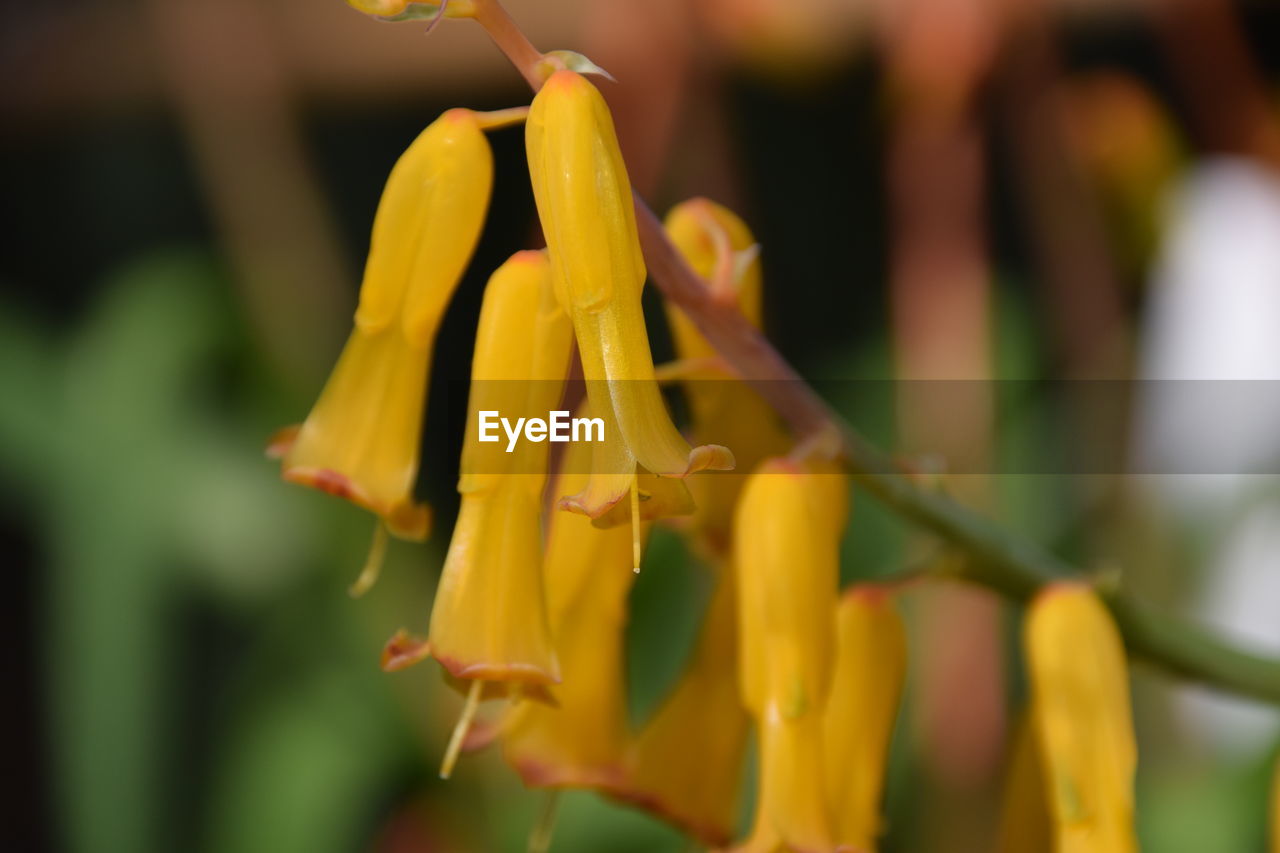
(360,440)
(871,664)
(579,741)
(489,619)
(719,246)
(584,202)
(1083,719)
(787,541)
(686,762)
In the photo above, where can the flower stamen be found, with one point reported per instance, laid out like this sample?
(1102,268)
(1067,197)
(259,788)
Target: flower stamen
(540,837)
(461,728)
(373,563)
(635,524)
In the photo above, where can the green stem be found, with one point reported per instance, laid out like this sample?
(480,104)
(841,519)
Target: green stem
(997,558)
(1017,568)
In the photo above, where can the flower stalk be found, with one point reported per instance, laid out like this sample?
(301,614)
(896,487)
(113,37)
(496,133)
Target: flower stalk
(998,558)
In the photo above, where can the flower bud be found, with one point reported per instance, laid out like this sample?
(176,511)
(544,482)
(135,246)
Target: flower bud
(1083,721)
(718,246)
(871,664)
(584,202)
(787,546)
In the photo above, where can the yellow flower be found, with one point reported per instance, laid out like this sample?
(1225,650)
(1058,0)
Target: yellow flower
(1084,725)
(489,620)
(787,546)
(686,763)
(871,663)
(579,741)
(584,201)
(718,246)
(361,439)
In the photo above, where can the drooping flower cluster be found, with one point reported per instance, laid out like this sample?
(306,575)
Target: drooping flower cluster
(532,602)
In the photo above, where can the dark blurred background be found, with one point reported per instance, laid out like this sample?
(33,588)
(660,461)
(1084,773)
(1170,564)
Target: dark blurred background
(977,190)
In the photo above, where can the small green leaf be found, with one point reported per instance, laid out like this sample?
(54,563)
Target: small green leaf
(414,12)
(573,61)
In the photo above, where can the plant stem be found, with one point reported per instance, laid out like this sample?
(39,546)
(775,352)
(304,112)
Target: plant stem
(996,558)
(491,15)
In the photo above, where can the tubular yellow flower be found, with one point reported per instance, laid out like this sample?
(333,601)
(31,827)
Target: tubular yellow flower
(361,439)
(584,201)
(1084,725)
(787,548)
(579,741)
(871,663)
(686,763)
(719,247)
(489,618)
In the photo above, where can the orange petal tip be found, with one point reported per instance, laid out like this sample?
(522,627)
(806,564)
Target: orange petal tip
(523,673)
(563,78)
(403,650)
(508,690)
(406,520)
